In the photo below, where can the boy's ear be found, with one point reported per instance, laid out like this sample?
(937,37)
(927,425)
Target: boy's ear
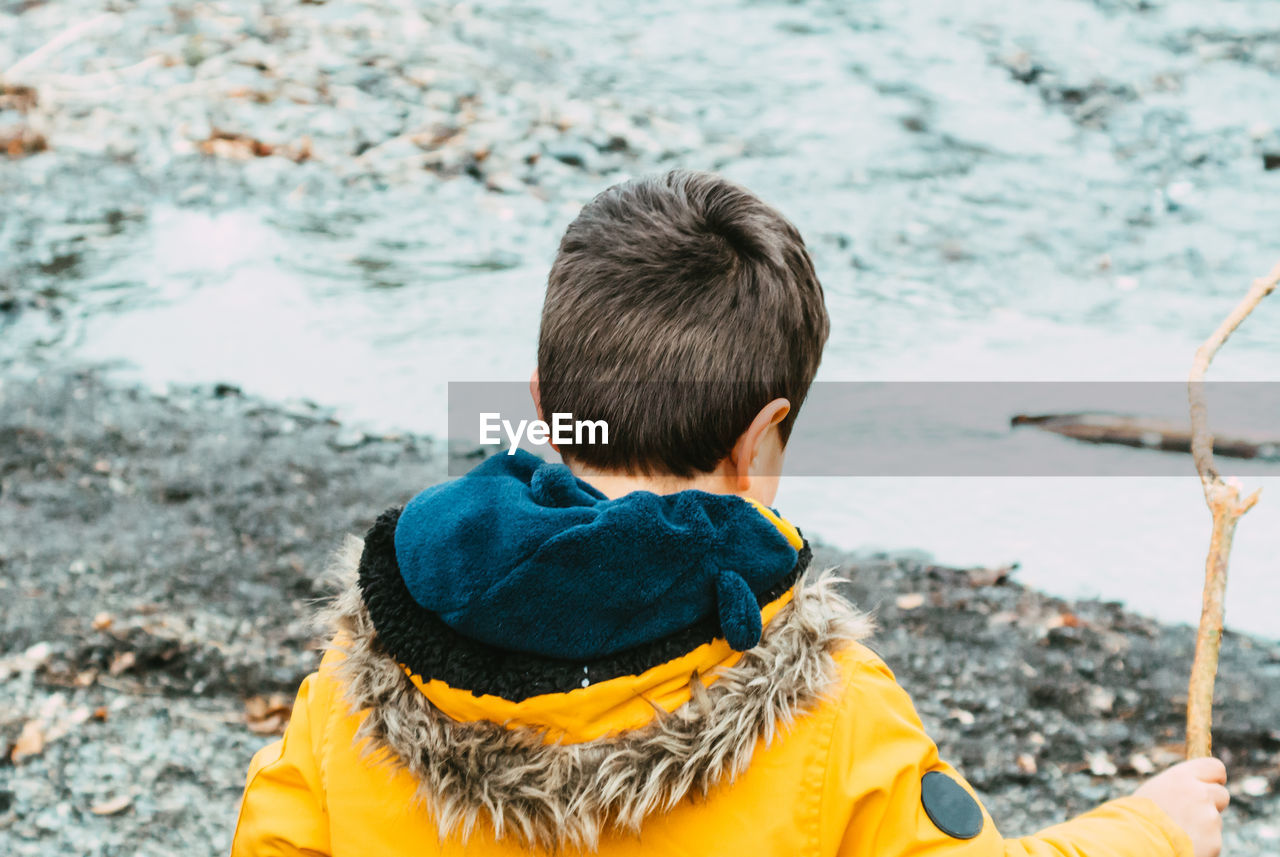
(749,444)
(533,391)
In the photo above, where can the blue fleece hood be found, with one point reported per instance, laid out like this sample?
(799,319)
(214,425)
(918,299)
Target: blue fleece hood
(522,555)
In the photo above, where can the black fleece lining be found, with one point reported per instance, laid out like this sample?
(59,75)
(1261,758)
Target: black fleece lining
(421,641)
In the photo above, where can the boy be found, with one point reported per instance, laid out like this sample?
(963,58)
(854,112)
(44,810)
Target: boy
(627,655)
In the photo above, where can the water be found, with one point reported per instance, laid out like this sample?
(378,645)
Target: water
(971,218)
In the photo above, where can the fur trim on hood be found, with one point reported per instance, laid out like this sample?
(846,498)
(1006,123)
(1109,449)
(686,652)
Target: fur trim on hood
(562,795)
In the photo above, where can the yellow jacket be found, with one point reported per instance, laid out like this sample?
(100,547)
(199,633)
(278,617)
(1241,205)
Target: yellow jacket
(804,745)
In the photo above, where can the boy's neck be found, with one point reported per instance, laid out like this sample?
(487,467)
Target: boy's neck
(614,484)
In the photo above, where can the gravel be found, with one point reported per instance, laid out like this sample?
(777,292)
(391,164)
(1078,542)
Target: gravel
(161,556)
(159,552)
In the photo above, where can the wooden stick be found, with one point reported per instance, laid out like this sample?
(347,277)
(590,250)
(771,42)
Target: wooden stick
(1223,498)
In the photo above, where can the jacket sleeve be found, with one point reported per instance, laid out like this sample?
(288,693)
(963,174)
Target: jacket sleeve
(283,811)
(879,754)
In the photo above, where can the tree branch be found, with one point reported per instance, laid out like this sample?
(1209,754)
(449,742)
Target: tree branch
(1223,499)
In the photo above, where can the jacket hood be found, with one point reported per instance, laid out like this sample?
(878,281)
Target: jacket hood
(557,765)
(521,555)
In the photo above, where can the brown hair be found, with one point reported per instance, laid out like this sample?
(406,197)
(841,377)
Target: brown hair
(678,306)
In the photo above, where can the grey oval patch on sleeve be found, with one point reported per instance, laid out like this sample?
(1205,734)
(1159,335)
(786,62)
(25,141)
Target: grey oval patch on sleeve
(952,809)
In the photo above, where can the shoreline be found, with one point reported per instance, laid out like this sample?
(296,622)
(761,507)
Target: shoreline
(164,554)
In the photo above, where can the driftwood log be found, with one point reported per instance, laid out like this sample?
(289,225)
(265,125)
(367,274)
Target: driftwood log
(1147,433)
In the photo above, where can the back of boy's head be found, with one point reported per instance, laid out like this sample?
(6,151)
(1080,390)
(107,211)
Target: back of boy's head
(678,306)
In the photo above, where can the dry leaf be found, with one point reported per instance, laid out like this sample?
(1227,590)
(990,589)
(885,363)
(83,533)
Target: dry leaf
(1064,620)
(21,141)
(1027,763)
(122,661)
(267,715)
(30,742)
(255,708)
(17,97)
(260,707)
(989,576)
(102,621)
(229,144)
(273,725)
(910,601)
(236,146)
(113,806)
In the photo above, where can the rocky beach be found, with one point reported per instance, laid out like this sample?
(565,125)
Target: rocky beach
(162,545)
(163,559)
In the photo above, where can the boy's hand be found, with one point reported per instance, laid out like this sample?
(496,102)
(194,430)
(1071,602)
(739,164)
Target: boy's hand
(1193,794)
